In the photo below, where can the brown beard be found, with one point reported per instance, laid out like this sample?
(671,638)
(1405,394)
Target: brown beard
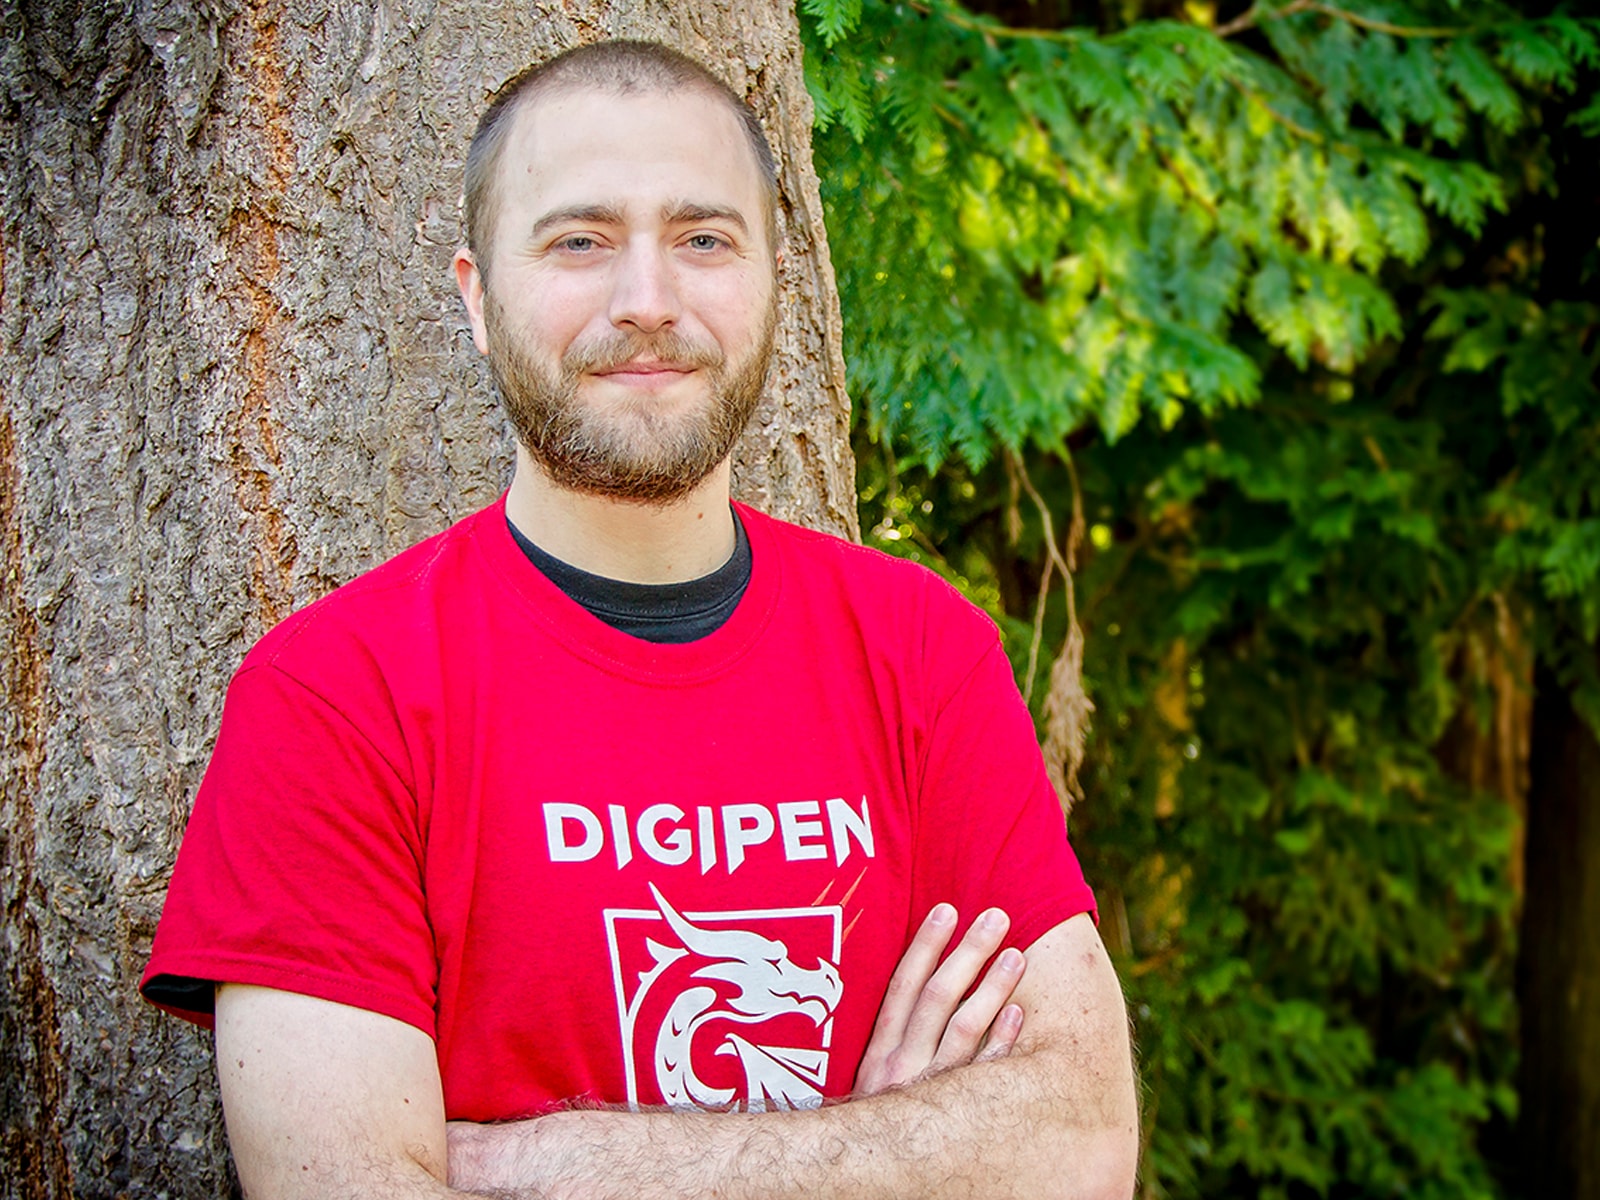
(633,453)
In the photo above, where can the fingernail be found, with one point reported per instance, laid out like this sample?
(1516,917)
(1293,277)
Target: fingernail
(993,919)
(1010,959)
(942,914)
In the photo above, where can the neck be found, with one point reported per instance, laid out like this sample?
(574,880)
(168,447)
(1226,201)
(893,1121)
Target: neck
(623,540)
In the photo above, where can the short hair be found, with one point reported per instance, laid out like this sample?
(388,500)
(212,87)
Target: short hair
(623,67)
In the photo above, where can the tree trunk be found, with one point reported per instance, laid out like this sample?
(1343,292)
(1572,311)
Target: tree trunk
(1559,968)
(235,375)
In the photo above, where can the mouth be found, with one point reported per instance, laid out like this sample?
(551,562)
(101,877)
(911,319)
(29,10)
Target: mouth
(647,374)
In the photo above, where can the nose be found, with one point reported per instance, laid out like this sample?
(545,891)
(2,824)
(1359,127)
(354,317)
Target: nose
(644,294)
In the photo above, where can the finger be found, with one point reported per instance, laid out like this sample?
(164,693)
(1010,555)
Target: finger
(911,975)
(941,995)
(883,1063)
(977,1017)
(1003,1034)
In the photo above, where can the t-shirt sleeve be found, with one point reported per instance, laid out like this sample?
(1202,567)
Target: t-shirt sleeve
(301,867)
(991,831)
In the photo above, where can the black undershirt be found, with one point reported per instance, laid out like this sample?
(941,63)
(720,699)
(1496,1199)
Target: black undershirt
(655,612)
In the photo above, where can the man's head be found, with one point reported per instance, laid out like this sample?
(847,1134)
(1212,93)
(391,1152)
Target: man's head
(620,269)
(619,68)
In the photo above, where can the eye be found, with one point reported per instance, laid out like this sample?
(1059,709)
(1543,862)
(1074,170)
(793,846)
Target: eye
(706,242)
(578,243)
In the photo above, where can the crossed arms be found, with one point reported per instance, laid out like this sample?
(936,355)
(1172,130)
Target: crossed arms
(326,1100)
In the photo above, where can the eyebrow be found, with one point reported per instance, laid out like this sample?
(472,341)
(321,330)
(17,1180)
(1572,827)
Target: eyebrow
(676,212)
(587,214)
(684,212)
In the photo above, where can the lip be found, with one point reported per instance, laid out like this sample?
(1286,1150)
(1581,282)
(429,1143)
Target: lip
(645,374)
(647,368)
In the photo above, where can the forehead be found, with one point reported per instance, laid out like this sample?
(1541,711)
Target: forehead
(577,146)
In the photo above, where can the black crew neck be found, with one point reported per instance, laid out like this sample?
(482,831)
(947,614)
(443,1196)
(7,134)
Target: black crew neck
(654,612)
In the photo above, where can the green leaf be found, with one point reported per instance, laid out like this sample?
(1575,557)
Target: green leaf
(1296,842)
(834,18)
(1470,69)
(1535,58)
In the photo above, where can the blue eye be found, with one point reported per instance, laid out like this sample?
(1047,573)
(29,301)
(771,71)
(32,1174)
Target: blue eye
(706,241)
(578,243)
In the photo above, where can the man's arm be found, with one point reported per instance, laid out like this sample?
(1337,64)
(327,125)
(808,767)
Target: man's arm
(322,1099)
(327,1100)
(1055,1118)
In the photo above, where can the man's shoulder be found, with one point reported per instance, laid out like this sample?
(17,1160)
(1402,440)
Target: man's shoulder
(383,605)
(828,552)
(904,594)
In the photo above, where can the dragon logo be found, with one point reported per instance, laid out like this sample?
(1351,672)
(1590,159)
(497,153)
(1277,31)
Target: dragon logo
(720,1010)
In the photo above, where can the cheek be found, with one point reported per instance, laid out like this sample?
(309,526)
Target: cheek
(554,311)
(735,314)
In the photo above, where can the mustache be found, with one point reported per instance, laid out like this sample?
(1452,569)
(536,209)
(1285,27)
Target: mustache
(617,349)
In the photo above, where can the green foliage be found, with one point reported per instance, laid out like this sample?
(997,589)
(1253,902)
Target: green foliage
(1321,619)
(1123,198)
(1291,290)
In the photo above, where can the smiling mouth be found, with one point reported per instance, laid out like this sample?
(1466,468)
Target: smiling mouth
(645,375)
(645,368)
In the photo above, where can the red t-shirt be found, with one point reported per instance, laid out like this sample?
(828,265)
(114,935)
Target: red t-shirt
(591,866)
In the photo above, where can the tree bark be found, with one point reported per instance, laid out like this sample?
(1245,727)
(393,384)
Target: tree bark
(234,376)
(1559,966)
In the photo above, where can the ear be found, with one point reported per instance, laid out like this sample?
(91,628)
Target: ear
(470,280)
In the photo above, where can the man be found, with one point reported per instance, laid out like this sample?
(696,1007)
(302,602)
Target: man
(619,795)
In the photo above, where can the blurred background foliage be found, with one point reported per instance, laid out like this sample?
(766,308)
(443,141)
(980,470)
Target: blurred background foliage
(1276,326)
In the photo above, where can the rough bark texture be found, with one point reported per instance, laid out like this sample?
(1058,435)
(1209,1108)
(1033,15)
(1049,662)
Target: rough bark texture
(1559,970)
(234,376)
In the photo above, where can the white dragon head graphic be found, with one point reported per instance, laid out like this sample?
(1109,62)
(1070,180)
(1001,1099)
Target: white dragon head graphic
(769,984)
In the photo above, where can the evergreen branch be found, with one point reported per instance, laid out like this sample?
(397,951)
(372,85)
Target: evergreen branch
(1014,471)
(1037,640)
(1183,180)
(1255,15)
(1251,17)
(1289,123)
(1066,705)
(1375,451)
(1054,559)
(921,538)
(1403,31)
(1077,527)
(1073,533)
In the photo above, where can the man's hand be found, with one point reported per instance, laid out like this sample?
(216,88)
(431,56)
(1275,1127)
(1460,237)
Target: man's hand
(1056,1120)
(923,1026)
(323,1099)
